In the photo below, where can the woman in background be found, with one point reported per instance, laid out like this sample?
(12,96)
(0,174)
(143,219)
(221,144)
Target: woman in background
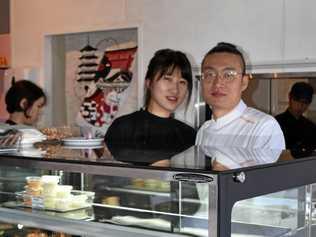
(168,83)
(24,101)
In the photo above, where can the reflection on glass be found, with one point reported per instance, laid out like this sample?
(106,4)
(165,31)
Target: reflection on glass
(196,157)
(148,203)
(173,206)
(277,214)
(224,158)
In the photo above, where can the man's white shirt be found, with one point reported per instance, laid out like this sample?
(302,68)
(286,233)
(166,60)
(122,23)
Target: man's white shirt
(242,127)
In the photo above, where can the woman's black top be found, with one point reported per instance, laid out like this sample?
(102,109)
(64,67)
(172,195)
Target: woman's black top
(146,131)
(142,138)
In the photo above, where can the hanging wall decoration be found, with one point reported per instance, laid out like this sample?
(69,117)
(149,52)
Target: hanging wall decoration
(101,82)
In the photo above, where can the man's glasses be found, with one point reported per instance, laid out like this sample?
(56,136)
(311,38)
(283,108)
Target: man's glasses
(226,75)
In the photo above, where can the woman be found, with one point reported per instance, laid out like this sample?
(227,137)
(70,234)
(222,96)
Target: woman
(152,134)
(168,83)
(24,101)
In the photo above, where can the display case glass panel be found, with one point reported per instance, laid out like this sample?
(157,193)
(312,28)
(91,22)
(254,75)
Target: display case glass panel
(203,191)
(150,203)
(277,214)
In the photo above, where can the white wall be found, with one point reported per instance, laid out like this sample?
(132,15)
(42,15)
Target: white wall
(300,34)
(262,28)
(196,26)
(192,26)
(268,31)
(33,19)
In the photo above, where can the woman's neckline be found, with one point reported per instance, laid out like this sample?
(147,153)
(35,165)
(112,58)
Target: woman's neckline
(154,115)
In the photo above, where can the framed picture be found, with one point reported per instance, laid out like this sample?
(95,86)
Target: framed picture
(100,72)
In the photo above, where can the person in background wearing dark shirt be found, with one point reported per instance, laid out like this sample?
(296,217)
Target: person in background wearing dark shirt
(299,132)
(168,83)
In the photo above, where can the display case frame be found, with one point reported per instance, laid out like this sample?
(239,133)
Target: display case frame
(225,187)
(270,178)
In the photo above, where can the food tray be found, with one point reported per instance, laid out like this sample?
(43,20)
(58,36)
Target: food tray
(75,214)
(19,204)
(78,200)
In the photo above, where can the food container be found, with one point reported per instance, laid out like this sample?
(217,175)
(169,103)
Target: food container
(82,199)
(54,179)
(28,200)
(63,191)
(49,185)
(33,191)
(63,204)
(76,200)
(49,202)
(33,182)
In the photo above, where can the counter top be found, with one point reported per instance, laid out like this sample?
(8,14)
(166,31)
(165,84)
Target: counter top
(195,158)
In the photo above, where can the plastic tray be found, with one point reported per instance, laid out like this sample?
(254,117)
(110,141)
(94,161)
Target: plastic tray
(60,204)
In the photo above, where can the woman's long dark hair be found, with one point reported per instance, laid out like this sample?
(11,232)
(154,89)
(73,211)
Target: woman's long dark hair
(165,61)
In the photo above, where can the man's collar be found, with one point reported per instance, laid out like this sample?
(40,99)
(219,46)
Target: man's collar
(232,115)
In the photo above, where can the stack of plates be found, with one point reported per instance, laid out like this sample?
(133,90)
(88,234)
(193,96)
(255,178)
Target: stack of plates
(6,149)
(83,142)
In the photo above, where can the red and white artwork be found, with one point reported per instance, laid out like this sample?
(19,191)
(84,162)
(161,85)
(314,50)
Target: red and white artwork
(100,83)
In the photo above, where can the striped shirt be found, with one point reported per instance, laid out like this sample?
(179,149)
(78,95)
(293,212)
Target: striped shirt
(242,127)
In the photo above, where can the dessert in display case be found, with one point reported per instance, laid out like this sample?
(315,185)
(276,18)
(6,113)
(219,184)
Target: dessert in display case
(203,191)
(45,193)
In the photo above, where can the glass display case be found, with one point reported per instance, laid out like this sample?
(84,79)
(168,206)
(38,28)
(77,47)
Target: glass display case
(203,191)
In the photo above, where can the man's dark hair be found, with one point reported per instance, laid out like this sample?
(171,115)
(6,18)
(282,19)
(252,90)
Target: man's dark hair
(20,90)
(165,61)
(224,47)
(302,91)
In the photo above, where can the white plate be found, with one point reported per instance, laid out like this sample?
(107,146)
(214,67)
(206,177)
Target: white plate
(83,147)
(81,141)
(30,141)
(8,149)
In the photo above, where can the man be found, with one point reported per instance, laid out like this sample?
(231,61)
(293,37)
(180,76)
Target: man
(233,123)
(299,132)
